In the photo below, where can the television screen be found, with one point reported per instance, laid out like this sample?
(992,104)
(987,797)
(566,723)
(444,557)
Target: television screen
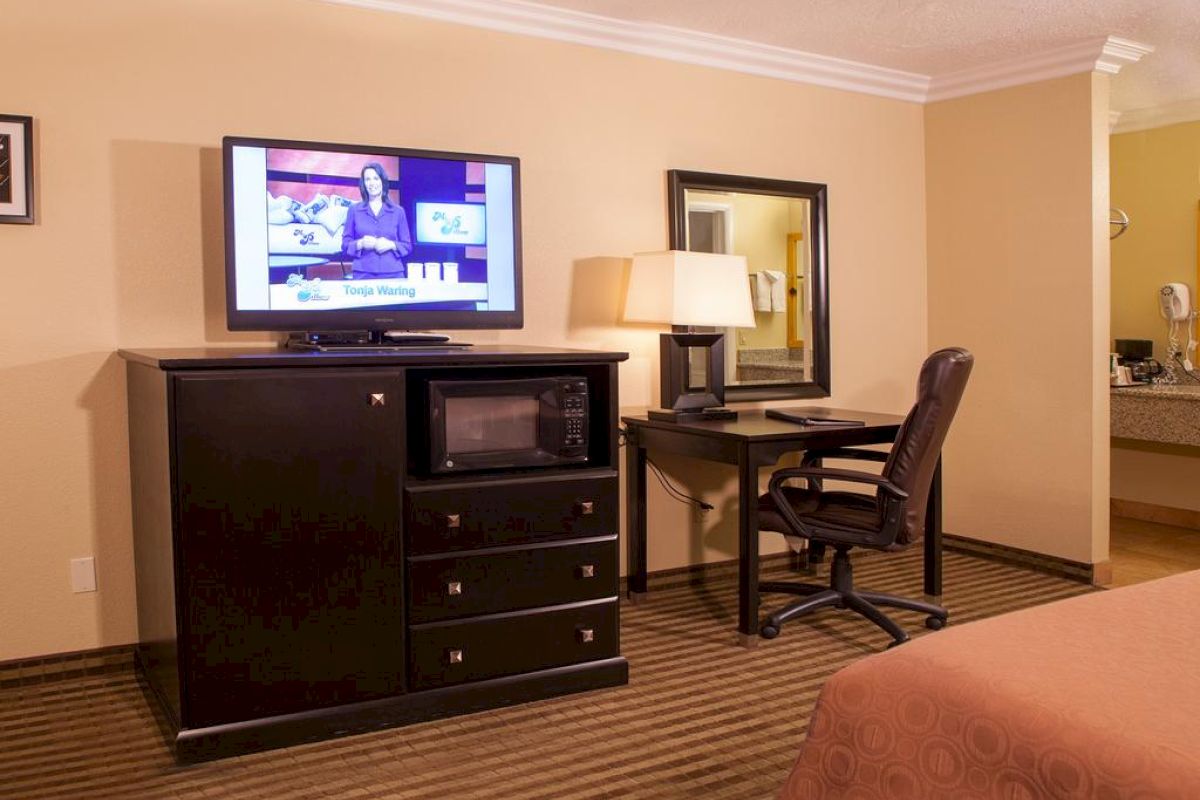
(348,237)
(461,223)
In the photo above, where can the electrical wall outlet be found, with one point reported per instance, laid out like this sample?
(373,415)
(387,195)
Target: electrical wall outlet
(83,574)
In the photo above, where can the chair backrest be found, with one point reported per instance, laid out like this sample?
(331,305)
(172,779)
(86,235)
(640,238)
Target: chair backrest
(918,445)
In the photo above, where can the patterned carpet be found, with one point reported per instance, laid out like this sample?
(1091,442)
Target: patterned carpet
(700,718)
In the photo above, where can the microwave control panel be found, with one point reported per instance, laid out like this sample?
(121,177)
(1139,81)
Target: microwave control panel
(573,407)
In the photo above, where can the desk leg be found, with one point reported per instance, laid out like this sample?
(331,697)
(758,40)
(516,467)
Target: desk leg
(747,550)
(933,535)
(635,518)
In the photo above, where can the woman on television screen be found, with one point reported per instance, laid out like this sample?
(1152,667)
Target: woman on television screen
(376,233)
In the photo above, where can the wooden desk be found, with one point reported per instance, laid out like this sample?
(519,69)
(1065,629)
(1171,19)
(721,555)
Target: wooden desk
(750,442)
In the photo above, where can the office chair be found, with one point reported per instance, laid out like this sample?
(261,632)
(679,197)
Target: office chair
(891,519)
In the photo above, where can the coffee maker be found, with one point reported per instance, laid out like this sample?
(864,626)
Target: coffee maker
(1136,354)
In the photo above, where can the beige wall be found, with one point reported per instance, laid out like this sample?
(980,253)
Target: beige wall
(131,102)
(1018,273)
(1100,282)
(1156,180)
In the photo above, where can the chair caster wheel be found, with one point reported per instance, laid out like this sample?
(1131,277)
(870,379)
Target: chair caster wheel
(935,623)
(768,631)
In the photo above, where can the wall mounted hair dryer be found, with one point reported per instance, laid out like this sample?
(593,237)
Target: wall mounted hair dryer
(1175,306)
(1175,302)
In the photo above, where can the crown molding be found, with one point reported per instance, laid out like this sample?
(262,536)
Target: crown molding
(1103,54)
(662,41)
(1116,52)
(1140,119)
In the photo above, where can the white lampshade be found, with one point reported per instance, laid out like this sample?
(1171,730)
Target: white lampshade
(686,288)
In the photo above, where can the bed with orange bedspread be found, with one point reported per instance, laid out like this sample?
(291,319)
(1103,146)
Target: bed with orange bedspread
(1093,697)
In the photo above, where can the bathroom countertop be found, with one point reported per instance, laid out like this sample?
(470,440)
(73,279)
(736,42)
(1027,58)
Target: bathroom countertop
(1181,391)
(771,365)
(1168,413)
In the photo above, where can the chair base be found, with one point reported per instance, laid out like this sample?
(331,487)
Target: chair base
(842,594)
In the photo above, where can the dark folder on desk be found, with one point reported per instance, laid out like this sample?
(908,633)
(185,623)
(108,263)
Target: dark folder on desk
(802,416)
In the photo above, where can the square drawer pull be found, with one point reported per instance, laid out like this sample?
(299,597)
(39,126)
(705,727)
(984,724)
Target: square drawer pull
(586,635)
(454,588)
(587,571)
(587,507)
(453,521)
(454,656)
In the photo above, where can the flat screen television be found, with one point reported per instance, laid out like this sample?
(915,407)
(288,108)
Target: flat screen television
(339,237)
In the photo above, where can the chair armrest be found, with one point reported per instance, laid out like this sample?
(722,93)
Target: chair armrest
(894,500)
(818,473)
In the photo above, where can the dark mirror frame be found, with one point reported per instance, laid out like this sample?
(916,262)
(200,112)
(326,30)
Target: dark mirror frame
(679,181)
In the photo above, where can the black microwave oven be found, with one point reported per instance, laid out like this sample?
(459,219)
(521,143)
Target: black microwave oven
(507,424)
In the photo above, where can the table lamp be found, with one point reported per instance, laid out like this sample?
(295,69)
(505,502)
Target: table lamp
(690,289)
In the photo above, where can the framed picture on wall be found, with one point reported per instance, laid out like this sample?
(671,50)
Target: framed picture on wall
(16,169)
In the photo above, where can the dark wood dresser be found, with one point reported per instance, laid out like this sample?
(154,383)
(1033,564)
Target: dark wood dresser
(303,573)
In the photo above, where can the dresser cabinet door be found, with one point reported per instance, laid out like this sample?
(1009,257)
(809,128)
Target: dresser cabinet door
(288,551)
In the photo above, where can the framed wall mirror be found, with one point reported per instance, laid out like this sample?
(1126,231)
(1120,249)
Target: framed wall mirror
(781,229)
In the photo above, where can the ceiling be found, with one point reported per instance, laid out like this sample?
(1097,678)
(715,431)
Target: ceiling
(937,37)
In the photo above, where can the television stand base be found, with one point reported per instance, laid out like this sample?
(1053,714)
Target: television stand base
(369,341)
(416,337)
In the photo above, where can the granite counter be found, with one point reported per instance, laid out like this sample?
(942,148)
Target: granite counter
(1156,413)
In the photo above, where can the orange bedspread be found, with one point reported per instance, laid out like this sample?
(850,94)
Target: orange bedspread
(1094,697)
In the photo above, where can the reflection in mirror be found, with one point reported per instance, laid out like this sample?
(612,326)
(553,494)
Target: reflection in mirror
(779,226)
(770,232)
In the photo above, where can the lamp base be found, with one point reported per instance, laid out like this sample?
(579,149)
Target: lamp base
(698,415)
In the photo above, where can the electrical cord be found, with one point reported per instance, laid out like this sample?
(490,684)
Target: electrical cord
(672,491)
(675,492)
(1168,377)
(1190,373)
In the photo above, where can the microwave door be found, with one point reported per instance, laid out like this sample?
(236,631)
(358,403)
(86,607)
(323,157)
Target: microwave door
(489,424)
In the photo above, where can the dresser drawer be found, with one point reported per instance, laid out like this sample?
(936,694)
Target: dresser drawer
(507,579)
(447,653)
(509,512)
